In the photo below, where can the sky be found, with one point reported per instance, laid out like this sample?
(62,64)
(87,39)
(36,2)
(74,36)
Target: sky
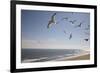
(35,34)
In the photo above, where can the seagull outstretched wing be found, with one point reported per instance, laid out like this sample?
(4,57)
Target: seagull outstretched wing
(52,21)
(49,24)
(53,16)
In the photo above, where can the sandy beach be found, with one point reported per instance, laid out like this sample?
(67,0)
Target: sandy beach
(81,57)
(84,56)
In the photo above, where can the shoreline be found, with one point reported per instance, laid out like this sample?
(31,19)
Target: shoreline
(83,56)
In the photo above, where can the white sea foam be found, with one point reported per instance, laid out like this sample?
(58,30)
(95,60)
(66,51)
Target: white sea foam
(33,60)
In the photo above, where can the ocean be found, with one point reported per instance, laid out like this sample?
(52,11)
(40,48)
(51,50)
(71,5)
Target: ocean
(42,55)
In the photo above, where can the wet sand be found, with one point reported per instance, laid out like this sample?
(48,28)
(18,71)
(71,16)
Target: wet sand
(81,57)
(76,57)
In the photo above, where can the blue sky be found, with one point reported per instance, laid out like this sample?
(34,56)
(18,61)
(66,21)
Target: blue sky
(35,33)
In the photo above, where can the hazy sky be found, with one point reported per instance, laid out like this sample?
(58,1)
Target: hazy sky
(35,33)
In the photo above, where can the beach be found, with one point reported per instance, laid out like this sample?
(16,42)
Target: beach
(83,56)
(43,55)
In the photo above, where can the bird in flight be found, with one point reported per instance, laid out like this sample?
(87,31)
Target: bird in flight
(70,36)
(72,21)
(65,31)
(79,25)
(86,39)
(52,21)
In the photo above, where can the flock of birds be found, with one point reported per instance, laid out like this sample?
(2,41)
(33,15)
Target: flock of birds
(52,22)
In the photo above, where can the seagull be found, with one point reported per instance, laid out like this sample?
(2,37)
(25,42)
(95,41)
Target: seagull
(65,31)
(86,39)
(52,21)
(79,24)
(70,36)
(72,21)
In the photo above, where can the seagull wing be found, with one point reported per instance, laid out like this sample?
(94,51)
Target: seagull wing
(49,24)
(52,20)
(80,24)
(70,36)
(53,16)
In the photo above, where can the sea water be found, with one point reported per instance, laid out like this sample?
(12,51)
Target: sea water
(42,55)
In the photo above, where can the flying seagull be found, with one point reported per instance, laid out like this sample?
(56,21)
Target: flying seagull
(52,21)
(79,25)
(70,36)
(65,31)
(72,21)
(86,39)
